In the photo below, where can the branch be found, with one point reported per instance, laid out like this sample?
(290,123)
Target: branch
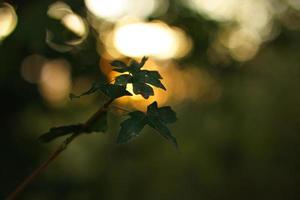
(56,153)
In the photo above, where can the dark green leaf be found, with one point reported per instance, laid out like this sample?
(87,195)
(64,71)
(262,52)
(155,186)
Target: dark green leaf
(110,90)
(60,131)
(154,74)
(120,70)
(165,114)
(137,114)
(150,77)
(142,80)
(118,64)
(155,118)
(163,130)
(158,117)
(143,89)
(99,125)
(135,66)
(132,127)
(123,79)
(143,61)
(114,91)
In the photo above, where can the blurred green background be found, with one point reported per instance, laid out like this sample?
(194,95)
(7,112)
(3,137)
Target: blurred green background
(232,73)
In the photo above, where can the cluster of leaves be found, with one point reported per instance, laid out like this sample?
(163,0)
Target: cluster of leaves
(155,117)
(142,80)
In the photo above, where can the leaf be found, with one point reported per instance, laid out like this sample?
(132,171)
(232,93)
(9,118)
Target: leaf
(150,77)
(118,64)
(100,125)
(165,114)
(132,127)
(120,70)
(110,90)
(114,91)
(158,117)
(163,130)
(155,118)
(143,61)
(135,66)
(141,88)
(154,74)
(60,131)
(123,79)
(140,79)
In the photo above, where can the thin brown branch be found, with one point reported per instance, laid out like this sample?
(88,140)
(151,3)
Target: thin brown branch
(56,153)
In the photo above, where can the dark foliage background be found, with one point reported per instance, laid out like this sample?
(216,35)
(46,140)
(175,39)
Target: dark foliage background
(244,145)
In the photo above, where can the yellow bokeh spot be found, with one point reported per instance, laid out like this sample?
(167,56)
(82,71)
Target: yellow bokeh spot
(55,81)
(75,23)
(243,44)
(114,10)
(110,10)
(31,68)
(154,39)
(8,20)
(71,21)
(58,10)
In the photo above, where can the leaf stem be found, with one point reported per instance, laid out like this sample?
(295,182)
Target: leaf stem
(56,153)
(121,108)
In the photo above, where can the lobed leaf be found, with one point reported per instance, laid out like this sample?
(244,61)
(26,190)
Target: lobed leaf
(111,90)
(143,89)
(165,114)
(163,130)
(150,77)
(114,91)
(133,66)
(155,118)
(118,64)
(140,79)
(123,79)
(132,127)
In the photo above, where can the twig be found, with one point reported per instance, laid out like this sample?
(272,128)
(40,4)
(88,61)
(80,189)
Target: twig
(121,108)
(56,153)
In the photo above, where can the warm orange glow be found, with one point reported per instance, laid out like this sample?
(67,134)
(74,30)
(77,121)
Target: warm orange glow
(55,81)
(8,20)
(188,84)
